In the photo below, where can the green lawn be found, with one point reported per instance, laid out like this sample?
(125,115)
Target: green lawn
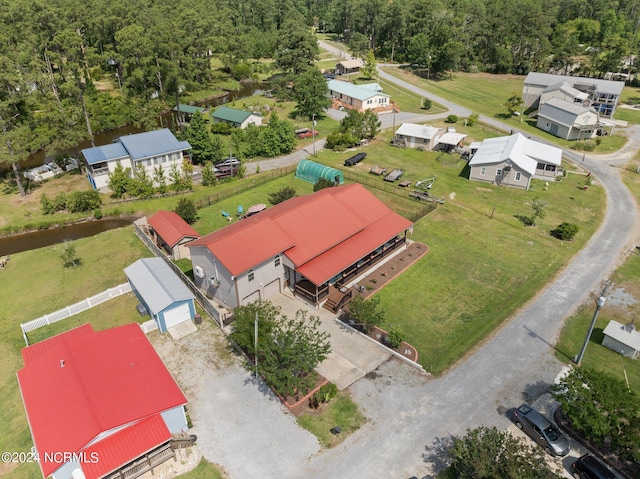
(483,263)
(34,283)
(205,470)
(486,94)
(627,277)
(341,411)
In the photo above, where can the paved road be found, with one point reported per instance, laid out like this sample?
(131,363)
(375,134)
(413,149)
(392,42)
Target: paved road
(410,414)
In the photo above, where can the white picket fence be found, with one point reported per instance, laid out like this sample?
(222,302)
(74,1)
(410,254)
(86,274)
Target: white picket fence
(74,309)
(149,326)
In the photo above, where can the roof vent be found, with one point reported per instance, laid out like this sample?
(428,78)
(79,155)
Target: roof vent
(62,363)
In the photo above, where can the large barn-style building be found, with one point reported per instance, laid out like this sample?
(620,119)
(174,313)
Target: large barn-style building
(308,244)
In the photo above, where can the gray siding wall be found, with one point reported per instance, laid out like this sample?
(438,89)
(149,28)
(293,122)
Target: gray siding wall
(491,175)
(263,274)
(226,292)
(619,347)
(175,419)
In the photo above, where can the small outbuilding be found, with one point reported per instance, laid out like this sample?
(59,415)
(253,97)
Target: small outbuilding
(412,135)
(163,294)
(311,172)
(172,233)
(235,117)
(349,66)
(622,338)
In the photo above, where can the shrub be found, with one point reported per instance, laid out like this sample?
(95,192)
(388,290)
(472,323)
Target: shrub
(97,213)
(396,336)
(282,195)
(322,183)
(186,209)
(584,145)
(79,201)
(327,392)
(451,119)
(473,119)
(426,104)
(565,231)
(46,205)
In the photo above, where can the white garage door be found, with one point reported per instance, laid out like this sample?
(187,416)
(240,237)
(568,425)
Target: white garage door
(255,296)
(177,315)
(271,289)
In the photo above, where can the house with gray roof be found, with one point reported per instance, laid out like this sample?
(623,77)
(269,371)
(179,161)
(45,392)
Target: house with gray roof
(162,293)
(570,121)
(603,95)
(565,92)
(150,150)
(235,117)
(358,97)
(622,338)
(514,161)
(349,66)
(413,135)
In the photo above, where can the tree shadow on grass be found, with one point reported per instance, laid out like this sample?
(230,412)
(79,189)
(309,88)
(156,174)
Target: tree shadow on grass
(525,220)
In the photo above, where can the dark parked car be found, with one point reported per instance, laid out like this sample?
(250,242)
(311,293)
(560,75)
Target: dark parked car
(588,467)
(355,159)
(541,430)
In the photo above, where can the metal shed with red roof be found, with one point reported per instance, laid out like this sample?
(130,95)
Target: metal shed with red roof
(307,243)
(98,400)
(172,233)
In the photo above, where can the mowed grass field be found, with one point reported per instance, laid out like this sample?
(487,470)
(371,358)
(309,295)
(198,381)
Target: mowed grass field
(486,94)
(483,262)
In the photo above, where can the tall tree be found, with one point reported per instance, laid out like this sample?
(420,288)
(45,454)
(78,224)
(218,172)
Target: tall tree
(487,453)
(297,48)
(311,93)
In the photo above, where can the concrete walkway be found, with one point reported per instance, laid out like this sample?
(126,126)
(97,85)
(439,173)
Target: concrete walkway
(352,355)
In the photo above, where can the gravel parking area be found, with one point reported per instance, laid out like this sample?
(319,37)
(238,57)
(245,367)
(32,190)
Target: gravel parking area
(240,424)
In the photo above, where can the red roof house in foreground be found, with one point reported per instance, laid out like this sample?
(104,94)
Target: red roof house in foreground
(172,233)
(97,401)
(307,243)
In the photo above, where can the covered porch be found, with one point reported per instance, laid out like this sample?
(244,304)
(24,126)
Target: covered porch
(336,288)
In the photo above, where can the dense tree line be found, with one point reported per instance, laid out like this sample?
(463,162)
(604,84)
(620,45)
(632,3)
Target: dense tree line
(52,52)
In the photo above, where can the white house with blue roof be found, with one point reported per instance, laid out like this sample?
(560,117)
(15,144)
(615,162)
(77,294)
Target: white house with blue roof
(150,149)
(359,97)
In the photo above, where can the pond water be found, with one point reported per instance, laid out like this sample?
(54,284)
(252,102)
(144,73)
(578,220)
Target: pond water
(39,239)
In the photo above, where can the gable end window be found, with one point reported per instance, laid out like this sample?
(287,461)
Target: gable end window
(276,262)
(251,276)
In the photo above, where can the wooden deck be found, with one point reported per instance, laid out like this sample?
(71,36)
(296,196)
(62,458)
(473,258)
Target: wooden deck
(338,299)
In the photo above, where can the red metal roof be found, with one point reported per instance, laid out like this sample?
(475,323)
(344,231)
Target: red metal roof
(307,229)
(171,227)
(325,266)
(120,448)
(35,350)
(89,384)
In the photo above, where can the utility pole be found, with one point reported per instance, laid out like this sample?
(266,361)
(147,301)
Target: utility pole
(599,304)
(255,349)
(313,133)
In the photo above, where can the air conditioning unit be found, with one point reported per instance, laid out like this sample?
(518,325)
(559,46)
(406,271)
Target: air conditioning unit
(198,271)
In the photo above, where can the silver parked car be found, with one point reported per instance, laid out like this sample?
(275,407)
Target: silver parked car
(541,430)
